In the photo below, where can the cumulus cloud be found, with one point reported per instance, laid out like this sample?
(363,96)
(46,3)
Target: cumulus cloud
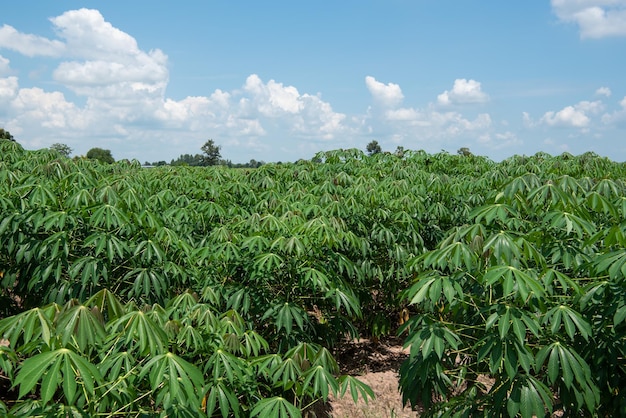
(463,91)
(108,62)
(121,90)
(499,140)
(386,94)
(4,66)
(50,110)
(595,18)
(88,36)
(29,45)
(8,89)
(616,117)
(576,116)
(603,91)
(272,98)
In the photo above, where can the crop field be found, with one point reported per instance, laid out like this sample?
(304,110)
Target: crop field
(209,291)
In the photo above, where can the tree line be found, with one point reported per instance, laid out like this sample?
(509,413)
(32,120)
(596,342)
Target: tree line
(210,156)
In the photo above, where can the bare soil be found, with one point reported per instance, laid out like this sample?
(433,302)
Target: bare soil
(377,365)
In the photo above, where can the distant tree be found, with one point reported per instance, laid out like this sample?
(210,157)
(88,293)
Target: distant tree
(373,148)
(62,149)
(6,135)
(464,151)
(100,154)
(399,151)
(155,163)
(188,159)
(211,153)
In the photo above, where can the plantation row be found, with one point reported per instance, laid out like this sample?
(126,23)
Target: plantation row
(185,290)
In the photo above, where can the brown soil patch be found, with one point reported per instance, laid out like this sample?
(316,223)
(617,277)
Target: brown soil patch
(375,364)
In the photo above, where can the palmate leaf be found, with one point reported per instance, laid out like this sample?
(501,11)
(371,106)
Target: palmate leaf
(108,245)
(456,255)
(356,387)
(107,304)
(566,365)
(317,382)
(346,299)
(267,262)
(285,373)
(147,281)
(109,217)
(573,322)
(149,252)
(499,211)
(253,343)
(514,281)
(52,368)
(552,278)
(33,325)
(285,314)
(222,397)
(511,318)
(175,380)
(503,247)
(91,270)
(275,407)
(82,325)
(433,287)
(122,368)
(570,222)
(431,338)
(138,330)
(314,279)
(223,364)
(528,397)
(613,262)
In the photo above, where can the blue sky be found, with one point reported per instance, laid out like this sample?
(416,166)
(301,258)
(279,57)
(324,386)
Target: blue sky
(281,80)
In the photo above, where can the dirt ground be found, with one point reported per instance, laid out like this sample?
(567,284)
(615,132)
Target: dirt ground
(375,364)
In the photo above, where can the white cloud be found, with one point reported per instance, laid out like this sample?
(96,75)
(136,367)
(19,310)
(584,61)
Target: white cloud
(8,90)
(386,94)
(49,110)
(402,114)
(499,140)
(463,91)
(595,18)
(576,116)
(568,116)
(29,45)
(603,91)
(617,116)
(89,36)
(4,66)
(109,64)
(273,99)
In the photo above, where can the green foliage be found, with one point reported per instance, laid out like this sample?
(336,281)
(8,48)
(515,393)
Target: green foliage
(63,149)
(224,292)
(211,153)
(513,315)
(6,135)
(373,148)
(102,155)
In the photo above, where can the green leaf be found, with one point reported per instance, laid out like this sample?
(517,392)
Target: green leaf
(175,377)
(275,407)
(75,369)
(221,397)
(356,387)
(138,330)
(50,381)
(81,324)
(620,315)
(318,380)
